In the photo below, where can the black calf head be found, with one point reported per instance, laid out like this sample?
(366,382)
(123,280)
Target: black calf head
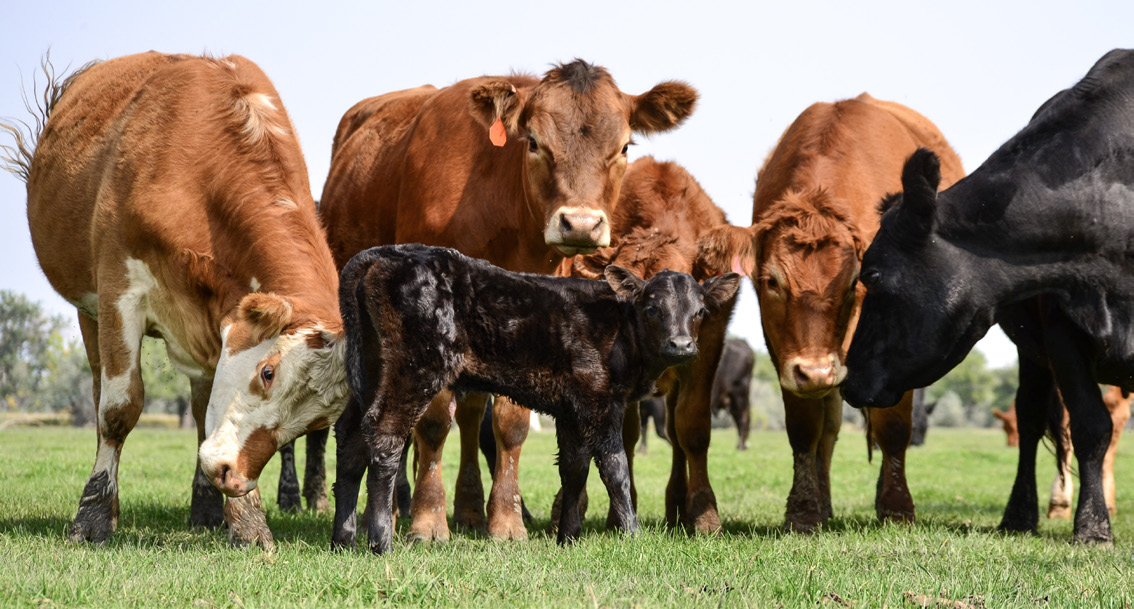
(671,307)
(919,318)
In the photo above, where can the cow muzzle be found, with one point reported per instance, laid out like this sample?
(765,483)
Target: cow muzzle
(812,377)
(679,350)
(230,482)
(577,230)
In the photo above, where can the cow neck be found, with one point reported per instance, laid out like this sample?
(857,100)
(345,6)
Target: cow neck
(543,258)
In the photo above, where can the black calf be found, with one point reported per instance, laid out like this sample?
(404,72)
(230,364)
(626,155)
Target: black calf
(422,319)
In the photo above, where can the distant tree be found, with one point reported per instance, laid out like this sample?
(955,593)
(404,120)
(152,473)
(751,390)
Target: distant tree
(977,389)
(68,384)
(25,330)
(166,387)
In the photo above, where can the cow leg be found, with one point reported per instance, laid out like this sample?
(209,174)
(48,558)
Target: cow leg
(693,425)
(1062,486)
(403,492)
(385,449)
(631,428)
(614,466)
(510,423)
(315,472)
(832,423)
(1033,395)
(742,415)
(350,452)
(574,465)
(678,486)
(804,421)
(206,508)
(428,506)
(644,421)
(287,494)
(468,497)
(891,428)
(1119,415)
(114,357)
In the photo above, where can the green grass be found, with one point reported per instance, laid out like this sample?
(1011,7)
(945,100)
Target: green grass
(960,482)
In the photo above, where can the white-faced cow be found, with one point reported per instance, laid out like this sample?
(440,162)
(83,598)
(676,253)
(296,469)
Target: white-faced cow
(424,321)
(515,170)
(1039,239)
(167,196)
(814,213)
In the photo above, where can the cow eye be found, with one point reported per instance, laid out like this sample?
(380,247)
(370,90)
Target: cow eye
(267,374)
(533,145)
(626,148)
(702,313)
(652,311)
(772,283)
(870,279)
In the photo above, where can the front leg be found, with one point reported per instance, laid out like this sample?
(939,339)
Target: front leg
(808,499)
(891,428)
(614,467)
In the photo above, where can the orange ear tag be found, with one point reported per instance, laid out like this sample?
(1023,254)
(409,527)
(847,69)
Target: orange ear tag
(497,133)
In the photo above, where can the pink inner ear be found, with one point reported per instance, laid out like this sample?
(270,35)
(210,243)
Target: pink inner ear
(736,266)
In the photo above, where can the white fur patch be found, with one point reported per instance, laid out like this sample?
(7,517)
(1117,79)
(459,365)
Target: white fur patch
(254,284)
(259,115)
(287,203)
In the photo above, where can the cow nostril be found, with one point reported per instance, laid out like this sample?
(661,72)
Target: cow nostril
(800,377)
(565,224)
(680,344)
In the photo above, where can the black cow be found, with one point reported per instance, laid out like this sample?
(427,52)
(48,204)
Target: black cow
(421,320)
(730,386)
(651,408)
(921,412)
(1039,239)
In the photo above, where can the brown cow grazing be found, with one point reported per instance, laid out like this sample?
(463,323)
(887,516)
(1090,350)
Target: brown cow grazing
(167,196)
(426,321)
(814,213)
(660,216)
(515,170)
(1059,429)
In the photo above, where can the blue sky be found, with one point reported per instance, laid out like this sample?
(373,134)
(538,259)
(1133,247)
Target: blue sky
(977,69)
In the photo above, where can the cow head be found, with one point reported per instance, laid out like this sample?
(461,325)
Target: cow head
(670,307)
(278,377)
(803,256)
(1009,424)
(925,303)
(574,127)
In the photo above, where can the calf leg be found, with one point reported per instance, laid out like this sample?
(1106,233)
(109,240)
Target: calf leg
(315,472)
(428,506)
(808,500)
(206,509)
(574,465)
(891,428)
(468,497)
(1062,486)
(288,492)
(510,423)
(350,452)
(1033,397)
(403,491)
(631,427)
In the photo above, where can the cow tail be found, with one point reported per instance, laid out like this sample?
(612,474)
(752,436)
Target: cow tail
(869,436)
(16,158)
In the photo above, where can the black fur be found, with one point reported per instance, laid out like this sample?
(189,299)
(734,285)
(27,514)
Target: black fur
(1040,239)
(731,385)
(422,319)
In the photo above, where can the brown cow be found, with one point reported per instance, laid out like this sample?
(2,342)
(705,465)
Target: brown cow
(814,213)
(167,196)
(656,226)
(1062,487)
(515,170)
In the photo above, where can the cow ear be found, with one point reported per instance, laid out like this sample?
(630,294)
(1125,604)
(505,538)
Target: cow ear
(720,290)
(497,99)
(930,407)
(592,266)
(267,314)
(920,178)
(624,283)
(725,248)
(662,108)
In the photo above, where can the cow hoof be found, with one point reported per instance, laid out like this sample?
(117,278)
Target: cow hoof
(702,515)
(1018,525)
(206,507)
(1096,537)
(95,530)
(98,511)
(1058,512)
(290,502)
(898,517)
(510,532)
(319,505)
(428,532)
(803,523)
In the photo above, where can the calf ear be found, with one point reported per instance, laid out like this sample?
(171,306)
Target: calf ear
(725,248)
(624,283)
(267,314)
(720,290)
(662,108)
(920,178)
(592,266)
(495,100)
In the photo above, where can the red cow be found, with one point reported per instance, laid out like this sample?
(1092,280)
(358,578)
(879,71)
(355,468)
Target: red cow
(167,196)
(516,170)
(814,213)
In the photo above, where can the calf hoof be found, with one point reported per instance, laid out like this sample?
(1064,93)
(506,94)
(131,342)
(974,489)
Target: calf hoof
(557,510)
(1093,536)
(1014,525)
(381,546)
(342,542)
(1057,511)
(290,501)
(247,525)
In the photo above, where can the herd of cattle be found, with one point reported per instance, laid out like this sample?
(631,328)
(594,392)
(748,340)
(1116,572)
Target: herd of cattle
(167,196)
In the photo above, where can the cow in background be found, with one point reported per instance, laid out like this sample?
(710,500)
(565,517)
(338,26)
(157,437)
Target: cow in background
(1059,430)
(516,170)
(168,196)
(922,410)
(660,217)
(651,408)
(731,386)
(814,212)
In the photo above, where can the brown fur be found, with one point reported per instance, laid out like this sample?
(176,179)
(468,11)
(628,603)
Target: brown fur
(417,166)
(813,215)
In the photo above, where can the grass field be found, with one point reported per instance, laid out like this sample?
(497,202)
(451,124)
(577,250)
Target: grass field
(960,482)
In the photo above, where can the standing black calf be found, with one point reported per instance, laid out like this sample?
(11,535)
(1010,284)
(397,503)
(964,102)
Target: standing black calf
(422,319)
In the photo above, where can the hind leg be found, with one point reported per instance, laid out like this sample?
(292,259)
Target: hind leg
(890,428)
(574,465)
(315,472)
(612,456)
(428,506)
(350,452)
(287,494)
(206,508)
(510,422)
(468,496)
(1062,486)
(1033,395)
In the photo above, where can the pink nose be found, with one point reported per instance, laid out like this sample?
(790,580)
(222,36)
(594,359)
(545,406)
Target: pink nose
(229,482)
(811,376)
